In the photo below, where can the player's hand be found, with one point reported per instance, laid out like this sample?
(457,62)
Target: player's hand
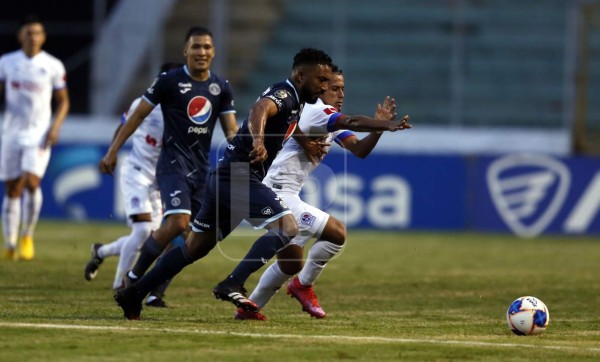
(387,110)
(400,125)
(51,138)
(316,150)
(108,163)
(258,154)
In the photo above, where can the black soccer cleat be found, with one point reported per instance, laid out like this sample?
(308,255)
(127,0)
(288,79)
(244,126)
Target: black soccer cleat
(157,302)
(91,268)
(230,291)
(130,302)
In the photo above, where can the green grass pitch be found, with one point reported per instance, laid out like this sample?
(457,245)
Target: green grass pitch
(389,296)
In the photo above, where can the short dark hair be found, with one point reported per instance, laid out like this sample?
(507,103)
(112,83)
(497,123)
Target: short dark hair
(197,31)
(310,56)
(165,67)
(30,19)
(336,70)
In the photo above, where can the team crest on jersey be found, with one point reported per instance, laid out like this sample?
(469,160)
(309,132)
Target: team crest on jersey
(307,219)
(280,94)
(214,89)
(267,211)
(199,109)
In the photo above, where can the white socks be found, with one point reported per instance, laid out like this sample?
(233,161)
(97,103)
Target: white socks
(273,278)
(32,204)
(113,248)
(11,218)
(268,285)
(319,254)
(140,231)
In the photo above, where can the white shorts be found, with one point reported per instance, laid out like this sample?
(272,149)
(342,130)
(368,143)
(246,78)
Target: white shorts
(140,192)
(311,220)
(16,159)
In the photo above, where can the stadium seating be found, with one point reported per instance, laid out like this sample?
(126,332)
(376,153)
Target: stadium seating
(507,67)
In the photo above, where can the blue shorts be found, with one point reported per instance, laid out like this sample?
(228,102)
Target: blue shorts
(180,194)
(234,193)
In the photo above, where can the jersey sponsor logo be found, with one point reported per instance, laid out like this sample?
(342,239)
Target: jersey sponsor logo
(214,89)
(276,100)
(330,110)
(184,87)
(175,201)
(307,219)
(199,109)
(25,85)
(267,211)
(198,130)
(528,191)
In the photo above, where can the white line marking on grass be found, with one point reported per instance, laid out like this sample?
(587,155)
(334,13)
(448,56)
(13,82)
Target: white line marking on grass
(329,338)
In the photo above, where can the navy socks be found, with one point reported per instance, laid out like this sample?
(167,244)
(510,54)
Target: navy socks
(263,249)
(168,266)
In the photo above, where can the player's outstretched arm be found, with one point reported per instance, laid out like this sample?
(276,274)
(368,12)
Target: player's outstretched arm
(362,147)
(367,124)
(109,161)
(384,122)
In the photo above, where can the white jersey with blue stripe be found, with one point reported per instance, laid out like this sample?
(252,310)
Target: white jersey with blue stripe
(291,167)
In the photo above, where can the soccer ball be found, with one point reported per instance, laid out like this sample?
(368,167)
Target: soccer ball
(527,316)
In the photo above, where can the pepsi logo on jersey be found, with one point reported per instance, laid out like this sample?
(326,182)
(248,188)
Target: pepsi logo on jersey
(199,110)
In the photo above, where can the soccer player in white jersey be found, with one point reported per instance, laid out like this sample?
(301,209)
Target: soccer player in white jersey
(140,193)
(30,78)
(286,176)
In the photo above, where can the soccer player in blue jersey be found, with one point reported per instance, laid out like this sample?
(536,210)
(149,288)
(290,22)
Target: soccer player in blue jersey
(234,191)
(191,98)
(286,177)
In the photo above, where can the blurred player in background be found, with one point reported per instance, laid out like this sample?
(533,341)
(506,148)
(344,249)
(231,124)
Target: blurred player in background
(286,177)
(30,78)
(191,98)
(234,191)
(141,197)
